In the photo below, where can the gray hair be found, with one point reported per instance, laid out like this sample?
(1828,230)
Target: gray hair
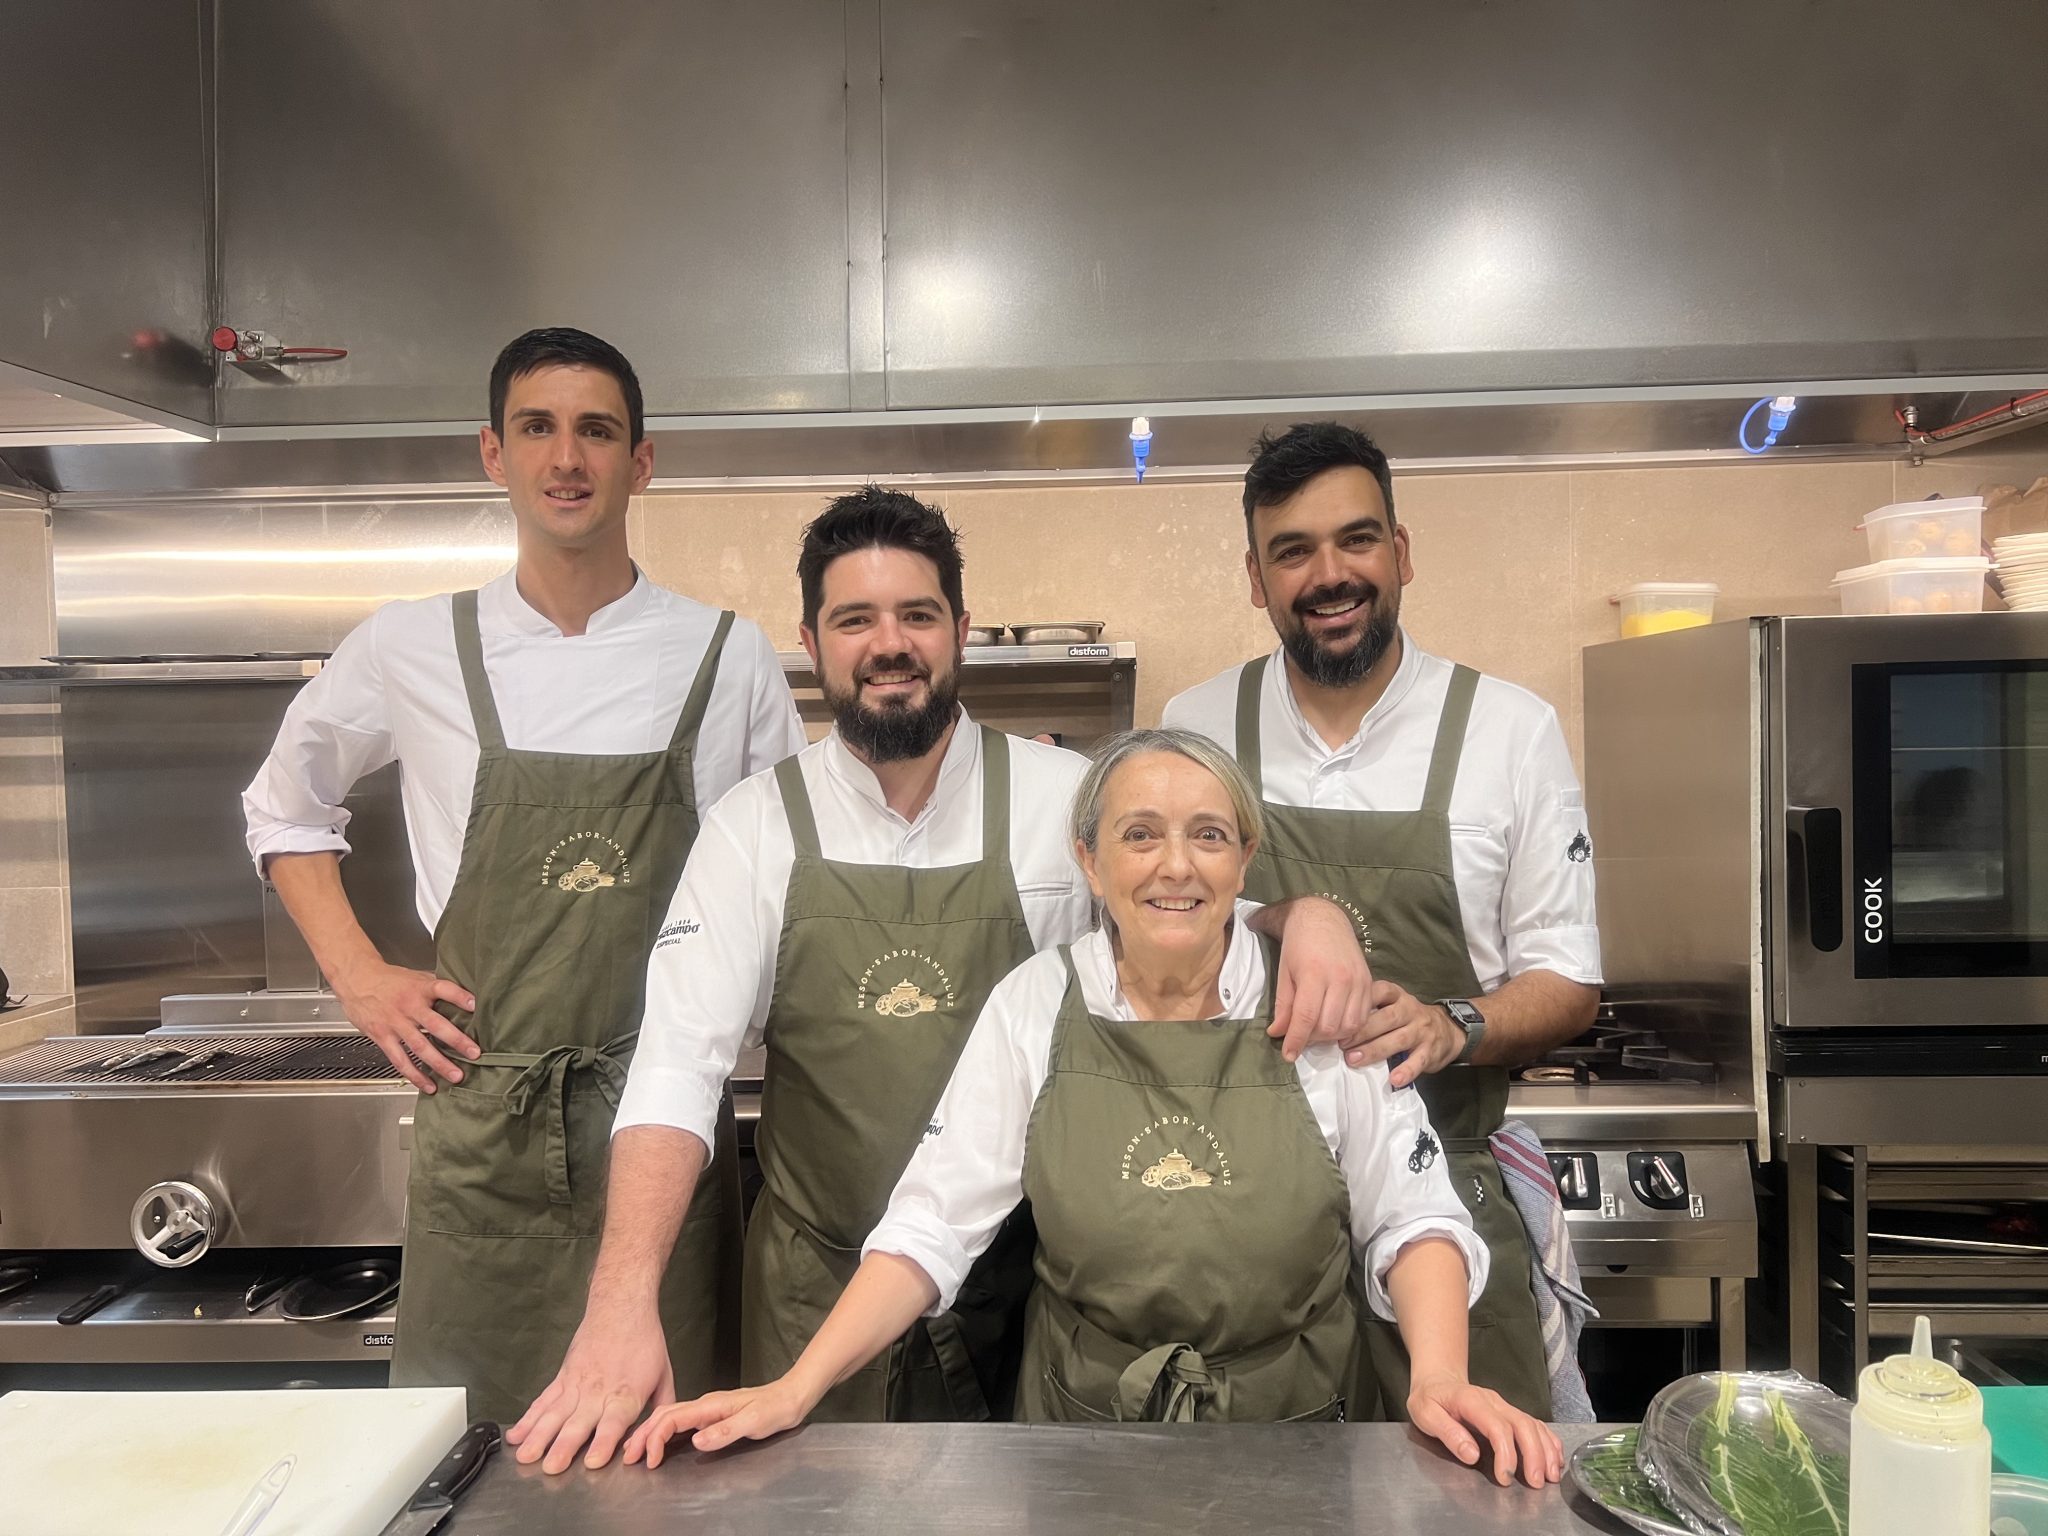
(1115,751)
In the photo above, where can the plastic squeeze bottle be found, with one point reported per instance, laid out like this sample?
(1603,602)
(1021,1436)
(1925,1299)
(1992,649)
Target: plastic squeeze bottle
(1919,1454)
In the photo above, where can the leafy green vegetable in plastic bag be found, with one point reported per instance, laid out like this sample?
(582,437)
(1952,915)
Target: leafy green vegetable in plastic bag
(1738,1454)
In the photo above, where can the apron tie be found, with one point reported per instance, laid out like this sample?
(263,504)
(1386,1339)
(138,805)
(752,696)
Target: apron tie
(1167,1385)
(550,1071)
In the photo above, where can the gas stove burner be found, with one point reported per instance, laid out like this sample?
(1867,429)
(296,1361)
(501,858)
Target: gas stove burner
(1558,1074)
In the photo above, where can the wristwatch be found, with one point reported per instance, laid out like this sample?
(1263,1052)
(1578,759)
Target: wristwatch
(1467,1018)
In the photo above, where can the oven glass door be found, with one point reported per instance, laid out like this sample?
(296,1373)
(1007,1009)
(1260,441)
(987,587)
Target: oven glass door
(1950,834)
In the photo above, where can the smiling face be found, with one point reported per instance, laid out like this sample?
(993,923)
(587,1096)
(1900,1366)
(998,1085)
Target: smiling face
(887,652)
(566,460)
(1327,565)
(1168,861)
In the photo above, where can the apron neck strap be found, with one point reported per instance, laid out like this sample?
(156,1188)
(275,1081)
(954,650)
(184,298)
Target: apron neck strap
(995,797)
(1249,679)
(995,802)
(796,805)
(469,651)
(1450,740)
(700,690)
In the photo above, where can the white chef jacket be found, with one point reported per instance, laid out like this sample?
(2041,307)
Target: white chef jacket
(1521,855)
(712,975)
(393,692)
(967,1173)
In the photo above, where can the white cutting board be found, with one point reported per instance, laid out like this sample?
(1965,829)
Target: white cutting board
(180,1463)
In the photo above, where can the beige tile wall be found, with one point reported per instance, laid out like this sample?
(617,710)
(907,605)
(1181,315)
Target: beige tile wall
(1512,571)
(1512,575)
(35,940)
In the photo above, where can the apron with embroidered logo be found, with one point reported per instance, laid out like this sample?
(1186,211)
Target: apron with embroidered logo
(879,977)
(568,864)
(1392,870)
(1194,1232)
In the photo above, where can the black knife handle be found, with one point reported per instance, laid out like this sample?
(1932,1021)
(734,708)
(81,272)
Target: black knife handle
(458,1469)
(88,1304)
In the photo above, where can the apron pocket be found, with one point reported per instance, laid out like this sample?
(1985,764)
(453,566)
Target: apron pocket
(1063,1407)
(479,1170)
(1331,1412)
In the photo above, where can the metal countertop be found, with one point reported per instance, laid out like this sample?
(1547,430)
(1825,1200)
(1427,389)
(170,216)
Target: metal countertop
(908,1479)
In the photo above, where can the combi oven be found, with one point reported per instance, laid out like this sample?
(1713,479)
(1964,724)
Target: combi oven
(1906,825)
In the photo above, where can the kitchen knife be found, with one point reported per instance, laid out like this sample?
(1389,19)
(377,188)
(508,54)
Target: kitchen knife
(454,1473)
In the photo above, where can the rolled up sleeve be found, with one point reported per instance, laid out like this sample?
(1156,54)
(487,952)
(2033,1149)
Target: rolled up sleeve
(1548,920)
(1400,1184)
(336,730)
(708,981)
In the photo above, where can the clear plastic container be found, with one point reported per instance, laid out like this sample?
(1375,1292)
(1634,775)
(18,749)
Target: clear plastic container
(1919,1454)
(1654,607)
(1922,530)
(2019,1506)
(1914,586)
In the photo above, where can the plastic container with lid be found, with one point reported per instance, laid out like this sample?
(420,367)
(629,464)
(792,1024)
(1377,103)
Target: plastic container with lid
(1919,1454)
(1918,530)
(1653,607)
(1914,586)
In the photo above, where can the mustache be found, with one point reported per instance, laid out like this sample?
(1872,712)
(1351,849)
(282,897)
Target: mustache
(902,663)
(1338,592)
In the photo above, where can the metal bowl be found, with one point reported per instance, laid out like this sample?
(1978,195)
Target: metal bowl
(1059,632)
(985,634)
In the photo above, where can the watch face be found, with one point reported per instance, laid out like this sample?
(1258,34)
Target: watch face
(1463,1012)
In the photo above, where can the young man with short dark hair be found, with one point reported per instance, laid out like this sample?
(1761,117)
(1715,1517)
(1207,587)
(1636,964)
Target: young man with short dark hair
(559,732)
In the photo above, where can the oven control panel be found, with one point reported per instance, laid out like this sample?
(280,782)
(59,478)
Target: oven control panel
(1679,1209)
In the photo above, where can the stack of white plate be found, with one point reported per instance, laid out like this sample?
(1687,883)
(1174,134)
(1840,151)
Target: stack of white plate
(2023,569)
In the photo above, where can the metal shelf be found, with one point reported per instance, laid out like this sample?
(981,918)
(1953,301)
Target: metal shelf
(77,674)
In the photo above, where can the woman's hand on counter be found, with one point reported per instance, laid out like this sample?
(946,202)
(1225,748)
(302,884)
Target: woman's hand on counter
(1452,1410)
(617,1363)
(720,1418)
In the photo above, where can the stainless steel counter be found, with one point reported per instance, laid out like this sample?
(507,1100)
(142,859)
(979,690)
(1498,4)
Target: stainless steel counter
(904,1479)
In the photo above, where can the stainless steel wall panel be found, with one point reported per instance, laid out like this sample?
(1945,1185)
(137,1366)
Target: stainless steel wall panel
(419,183)
(104,246)
(246,576)
(1164,200)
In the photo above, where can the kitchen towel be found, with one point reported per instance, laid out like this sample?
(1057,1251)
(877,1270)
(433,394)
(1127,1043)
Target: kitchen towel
(1561,1306)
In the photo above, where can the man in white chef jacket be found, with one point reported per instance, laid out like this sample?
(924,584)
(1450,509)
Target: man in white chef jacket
(559,732)
(853,907)
(1440,807)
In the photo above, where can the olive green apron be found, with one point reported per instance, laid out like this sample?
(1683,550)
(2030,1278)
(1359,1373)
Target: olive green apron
(1392,871)
(879,977)
(567,868)
(1161,1157)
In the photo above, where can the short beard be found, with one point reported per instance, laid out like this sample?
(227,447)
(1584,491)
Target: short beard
(896,733)
(1341,669)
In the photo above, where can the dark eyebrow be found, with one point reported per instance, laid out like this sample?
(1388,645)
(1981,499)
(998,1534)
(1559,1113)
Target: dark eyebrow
(916,605)
(535,413)
(1371,522)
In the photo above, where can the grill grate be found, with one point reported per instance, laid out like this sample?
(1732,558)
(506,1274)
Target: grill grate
(246,1060)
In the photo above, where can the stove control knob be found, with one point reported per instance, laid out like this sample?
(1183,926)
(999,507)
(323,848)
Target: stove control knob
(174,1223)
(1578,1180)
(1658,1179)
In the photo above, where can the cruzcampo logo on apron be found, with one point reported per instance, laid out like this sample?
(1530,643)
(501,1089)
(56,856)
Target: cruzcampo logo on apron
(586,861)
(920,985)
(1172,1169)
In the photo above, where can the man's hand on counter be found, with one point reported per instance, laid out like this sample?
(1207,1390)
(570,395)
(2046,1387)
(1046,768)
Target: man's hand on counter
(1452,1410)
(617,1364)
(394,1006)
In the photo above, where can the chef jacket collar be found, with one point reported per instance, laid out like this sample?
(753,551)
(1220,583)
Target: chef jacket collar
(1406,674)
(504,609)
(956,769)
(1244,974)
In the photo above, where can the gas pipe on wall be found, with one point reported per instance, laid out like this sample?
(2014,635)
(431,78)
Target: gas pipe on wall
(239,346)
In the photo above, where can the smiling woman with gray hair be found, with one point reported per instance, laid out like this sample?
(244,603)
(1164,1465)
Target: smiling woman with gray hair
(1211,1216)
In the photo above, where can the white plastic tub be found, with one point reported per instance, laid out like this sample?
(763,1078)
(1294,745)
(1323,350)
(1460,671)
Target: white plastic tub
(1925,530)
(1653,607)
(1914,586)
